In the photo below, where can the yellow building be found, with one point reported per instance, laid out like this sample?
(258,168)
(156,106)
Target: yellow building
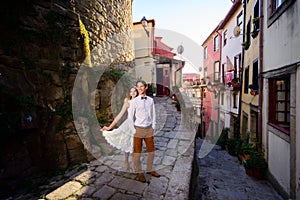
(143,36)
(250,80)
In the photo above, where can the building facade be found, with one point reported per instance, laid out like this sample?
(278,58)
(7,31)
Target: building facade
(212,76)
(280,103)
(231,67)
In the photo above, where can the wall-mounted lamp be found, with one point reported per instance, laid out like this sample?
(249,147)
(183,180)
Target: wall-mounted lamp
(208,85)
(145,24)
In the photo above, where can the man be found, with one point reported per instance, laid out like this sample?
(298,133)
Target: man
(142,115)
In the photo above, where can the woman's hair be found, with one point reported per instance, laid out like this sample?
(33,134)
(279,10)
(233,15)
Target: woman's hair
(137,92)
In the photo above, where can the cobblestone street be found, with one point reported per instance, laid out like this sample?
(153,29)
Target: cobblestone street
(221,176)
(106,178)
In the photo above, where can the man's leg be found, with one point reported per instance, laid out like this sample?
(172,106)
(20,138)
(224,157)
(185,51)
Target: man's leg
(137,149)
(149,140)
(150,149)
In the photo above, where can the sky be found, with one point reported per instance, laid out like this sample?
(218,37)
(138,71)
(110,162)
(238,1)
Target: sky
(183,22)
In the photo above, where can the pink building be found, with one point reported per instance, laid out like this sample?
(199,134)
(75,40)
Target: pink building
(211,64)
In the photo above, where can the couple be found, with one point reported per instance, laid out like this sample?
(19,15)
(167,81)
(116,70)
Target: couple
(141,115)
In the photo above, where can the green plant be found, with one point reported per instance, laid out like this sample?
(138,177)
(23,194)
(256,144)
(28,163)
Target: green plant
(177,105)
(248,149)
(246,45)
(256,162)
(233,146)
(255,19)
(235,80)
(84,183)
(254,33)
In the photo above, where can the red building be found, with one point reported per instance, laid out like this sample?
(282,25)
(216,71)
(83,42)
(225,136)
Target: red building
(211,64)
(191,78)
(166,67)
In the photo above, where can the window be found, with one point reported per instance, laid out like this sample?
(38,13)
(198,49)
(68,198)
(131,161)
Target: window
(222,98)
(205,53)
(255,75)
(216,43)
(276,8)
(275,4)
(244,124)
(217,71)
(279,103)
(246,80)
(248,33)
(237,65)
(225,37)
(224,66)
(205,72)
(234,95)
(256,16)
(166,73)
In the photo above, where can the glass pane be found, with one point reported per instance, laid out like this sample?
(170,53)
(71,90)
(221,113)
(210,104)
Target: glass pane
(278,3)
(280,84)
(280,107)
(280,117)
(280,96)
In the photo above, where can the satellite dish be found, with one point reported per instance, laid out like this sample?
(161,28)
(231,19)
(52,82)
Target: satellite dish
(237,31)
(180,49)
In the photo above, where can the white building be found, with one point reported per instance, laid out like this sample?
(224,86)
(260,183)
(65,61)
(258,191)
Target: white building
(281,96)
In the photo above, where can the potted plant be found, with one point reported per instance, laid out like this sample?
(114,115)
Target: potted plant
(260,167)
(253,89)
(177,105)
(248,150)
(223,138)
(154,90)
(254,33)
(256,165)
(246,45)
(235,82)
(233,146)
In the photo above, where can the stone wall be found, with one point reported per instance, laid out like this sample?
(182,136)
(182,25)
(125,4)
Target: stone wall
(43,44)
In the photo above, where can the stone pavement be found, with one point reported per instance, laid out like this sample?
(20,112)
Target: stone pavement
(106,179)
(221,176)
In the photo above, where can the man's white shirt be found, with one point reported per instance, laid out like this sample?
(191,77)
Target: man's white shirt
(142,112)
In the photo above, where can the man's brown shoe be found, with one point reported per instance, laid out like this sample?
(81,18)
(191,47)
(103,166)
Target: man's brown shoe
(153,173)
(140,177)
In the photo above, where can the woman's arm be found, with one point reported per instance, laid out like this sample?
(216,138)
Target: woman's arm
(117,118)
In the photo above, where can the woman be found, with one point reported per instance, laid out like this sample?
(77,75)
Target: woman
(122,137)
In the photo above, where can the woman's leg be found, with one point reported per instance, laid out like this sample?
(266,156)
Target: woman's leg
(132,163)
(126,160)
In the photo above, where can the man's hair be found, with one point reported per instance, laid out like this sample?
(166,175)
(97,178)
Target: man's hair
(141,81)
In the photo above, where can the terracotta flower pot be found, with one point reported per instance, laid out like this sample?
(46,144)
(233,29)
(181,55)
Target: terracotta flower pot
(246,156)
(249,171)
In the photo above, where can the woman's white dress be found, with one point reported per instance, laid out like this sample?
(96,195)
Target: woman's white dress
(122,137)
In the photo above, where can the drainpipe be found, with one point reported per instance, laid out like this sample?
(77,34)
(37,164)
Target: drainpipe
(183,63)
(260,85)
(242,74)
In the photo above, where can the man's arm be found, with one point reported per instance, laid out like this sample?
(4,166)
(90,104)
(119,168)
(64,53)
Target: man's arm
(153,116)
